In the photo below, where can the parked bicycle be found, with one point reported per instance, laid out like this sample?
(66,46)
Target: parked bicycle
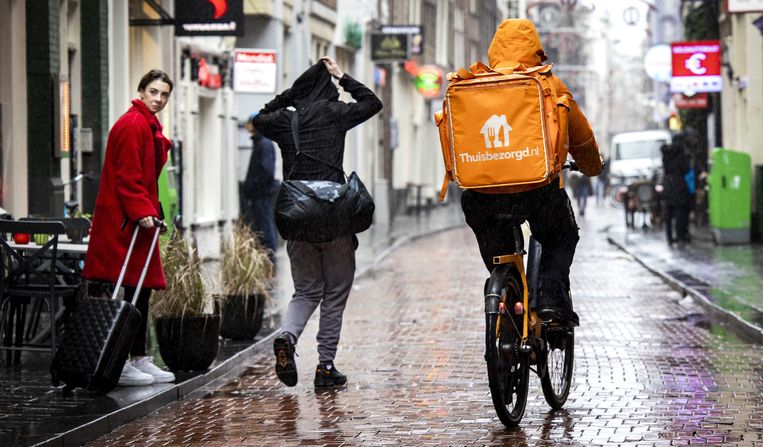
(517,340)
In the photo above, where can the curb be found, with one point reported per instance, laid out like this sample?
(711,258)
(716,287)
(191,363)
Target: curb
(741,328)
(195,387)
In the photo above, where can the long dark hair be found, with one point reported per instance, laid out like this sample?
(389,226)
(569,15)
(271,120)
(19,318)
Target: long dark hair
(152,76)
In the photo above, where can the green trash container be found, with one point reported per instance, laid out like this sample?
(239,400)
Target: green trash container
(730,196)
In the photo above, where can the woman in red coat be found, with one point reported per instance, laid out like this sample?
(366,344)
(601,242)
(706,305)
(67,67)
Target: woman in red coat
(136,150)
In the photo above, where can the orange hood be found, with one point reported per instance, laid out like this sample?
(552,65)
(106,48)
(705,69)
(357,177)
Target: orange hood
(516,42)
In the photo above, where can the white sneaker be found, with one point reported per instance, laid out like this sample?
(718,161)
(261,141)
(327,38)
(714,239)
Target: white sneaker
(133,377)
(146,365)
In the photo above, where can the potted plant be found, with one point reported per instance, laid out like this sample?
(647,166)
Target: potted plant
(187,328)
(246,274)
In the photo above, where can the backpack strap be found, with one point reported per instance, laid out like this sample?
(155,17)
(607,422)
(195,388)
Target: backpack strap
(439,118)
(554,119)
(295,137)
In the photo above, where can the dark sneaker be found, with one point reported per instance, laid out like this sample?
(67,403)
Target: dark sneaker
(556,306)
(327,375)
(286,368)
(565,317)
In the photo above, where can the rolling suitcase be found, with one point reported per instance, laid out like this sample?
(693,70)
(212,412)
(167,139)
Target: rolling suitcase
(98,335)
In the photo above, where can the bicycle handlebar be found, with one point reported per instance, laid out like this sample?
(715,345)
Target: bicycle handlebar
(572,166)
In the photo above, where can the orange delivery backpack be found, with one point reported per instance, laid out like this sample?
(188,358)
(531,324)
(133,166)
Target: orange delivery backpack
(500,128)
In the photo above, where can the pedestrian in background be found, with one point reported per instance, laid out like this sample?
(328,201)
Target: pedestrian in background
(581,190)
(602,183)
(136,151)
(675,163)
(322,272)
(259,188)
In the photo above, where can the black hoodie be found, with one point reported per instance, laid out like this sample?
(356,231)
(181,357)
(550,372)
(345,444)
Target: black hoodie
(323,122)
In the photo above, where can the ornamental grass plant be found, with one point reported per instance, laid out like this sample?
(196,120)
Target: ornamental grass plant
(186,292)
(245,266)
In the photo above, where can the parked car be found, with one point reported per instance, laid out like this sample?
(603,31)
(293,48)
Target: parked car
(637,156)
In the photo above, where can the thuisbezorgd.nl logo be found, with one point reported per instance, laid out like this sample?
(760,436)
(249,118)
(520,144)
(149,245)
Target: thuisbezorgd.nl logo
(496,133)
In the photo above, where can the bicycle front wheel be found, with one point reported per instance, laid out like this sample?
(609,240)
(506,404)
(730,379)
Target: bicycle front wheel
(507,367)
(560,358)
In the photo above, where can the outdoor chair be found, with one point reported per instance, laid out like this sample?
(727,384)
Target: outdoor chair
(29,271)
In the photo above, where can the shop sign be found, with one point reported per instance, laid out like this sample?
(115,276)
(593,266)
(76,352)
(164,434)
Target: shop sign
(415,31)
(657,63)
(698,101)
(429,81)
(696,67)
(209,18)
(254,71)
(389,47)
(736,6)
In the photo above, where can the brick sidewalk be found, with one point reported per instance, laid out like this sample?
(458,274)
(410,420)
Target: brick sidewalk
(650,368)
(32,411)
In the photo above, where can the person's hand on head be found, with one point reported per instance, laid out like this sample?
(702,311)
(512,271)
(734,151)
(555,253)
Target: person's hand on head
(332,67)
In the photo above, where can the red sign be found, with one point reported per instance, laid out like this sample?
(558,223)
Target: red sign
(698,101)
(254,70)
(696,66)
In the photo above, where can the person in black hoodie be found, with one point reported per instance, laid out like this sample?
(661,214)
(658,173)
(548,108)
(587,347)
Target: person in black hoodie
(675,164)
(322,272)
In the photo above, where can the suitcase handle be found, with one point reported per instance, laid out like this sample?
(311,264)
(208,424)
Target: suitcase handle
(159,225)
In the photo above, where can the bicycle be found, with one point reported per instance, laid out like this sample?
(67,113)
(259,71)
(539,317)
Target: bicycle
(517,339)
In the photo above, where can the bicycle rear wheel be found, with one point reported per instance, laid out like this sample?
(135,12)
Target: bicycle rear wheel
(507,367)
(560,358)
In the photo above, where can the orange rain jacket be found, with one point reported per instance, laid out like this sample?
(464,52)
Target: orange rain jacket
(516,46)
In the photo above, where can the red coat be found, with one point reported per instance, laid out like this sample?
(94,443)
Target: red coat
(128,190)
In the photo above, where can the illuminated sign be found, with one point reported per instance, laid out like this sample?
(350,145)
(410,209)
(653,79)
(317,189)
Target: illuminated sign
(254,71)
(415,31)
(389,47)
(429,81)
(698,101)
(209,17)
(696,67)
(658,63)
(64,129)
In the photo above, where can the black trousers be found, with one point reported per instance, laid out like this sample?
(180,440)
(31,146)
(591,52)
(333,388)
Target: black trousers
(678,215)
(552,223)
(139,344)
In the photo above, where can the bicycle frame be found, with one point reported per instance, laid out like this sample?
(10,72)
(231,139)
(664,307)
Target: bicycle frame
(503,263)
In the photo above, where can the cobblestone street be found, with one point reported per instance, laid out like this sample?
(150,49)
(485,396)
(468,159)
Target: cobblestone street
(650,368)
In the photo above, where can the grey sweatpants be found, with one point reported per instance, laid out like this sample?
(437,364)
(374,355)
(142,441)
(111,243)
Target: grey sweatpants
(322,274)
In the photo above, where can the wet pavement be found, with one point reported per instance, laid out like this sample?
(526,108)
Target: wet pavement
(652,367)
(725,279)
(32,412)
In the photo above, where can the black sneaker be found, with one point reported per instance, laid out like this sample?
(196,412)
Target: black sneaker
(286,368)
(565,317)
(327,375)
(555,307)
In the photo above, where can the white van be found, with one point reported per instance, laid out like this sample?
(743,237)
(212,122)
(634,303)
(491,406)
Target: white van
(636,155)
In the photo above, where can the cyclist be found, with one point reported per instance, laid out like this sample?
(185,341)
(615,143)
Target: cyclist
(516,45)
